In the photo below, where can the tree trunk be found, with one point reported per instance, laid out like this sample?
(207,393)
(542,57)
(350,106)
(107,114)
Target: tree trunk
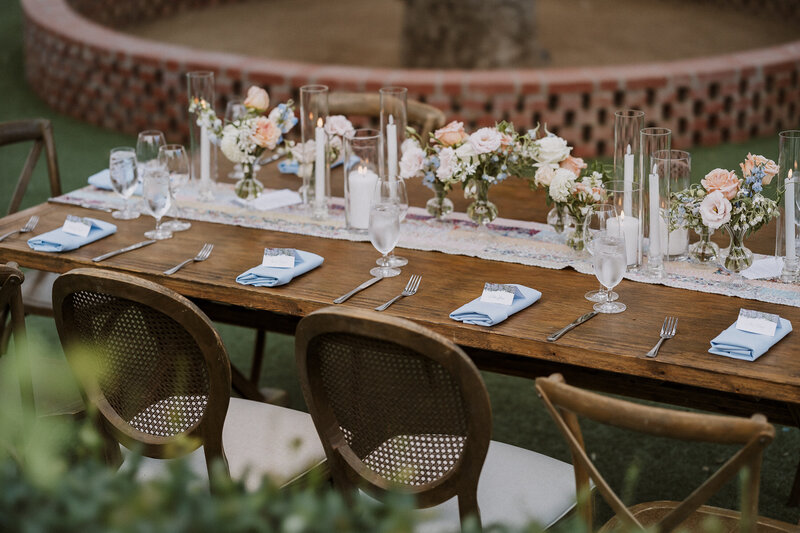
(470,34)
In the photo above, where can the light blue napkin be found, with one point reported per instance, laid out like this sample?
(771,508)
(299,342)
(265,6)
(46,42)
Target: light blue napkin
(59,241)
(291,167)
(263,276)
(488,314)
(745,345)
(102,180)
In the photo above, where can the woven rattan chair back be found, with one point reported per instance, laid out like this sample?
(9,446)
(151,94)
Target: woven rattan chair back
(40,131)
(424,117)
(148,359)
(565,403)
(397,407)
(12,324)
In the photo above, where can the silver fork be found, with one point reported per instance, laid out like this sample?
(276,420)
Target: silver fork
(410,290)
(28,227)
(668,330)
(202,255)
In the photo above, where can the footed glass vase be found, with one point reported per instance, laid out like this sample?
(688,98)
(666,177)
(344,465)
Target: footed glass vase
(704,250)
(739,256)
(440,205)
(482,211)
(248,188)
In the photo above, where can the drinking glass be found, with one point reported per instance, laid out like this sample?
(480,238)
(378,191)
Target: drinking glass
(397,189)
(147,146)
(157,197)
(234,110)
(174,159)
(594,226)
(124,178)
(609,267)
(384,226)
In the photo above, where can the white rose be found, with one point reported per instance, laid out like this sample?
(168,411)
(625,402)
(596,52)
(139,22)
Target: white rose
(230,144)
(466,151)
(411,163)
(551,149)
(257,98)
(408,144)
(561,185)
(304,152)
(544,175)
(447,164)
(338,125)
(715,210)
(485,140)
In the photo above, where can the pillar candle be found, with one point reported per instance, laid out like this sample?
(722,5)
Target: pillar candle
(360,188)
(319,164)
(628,227)
(677,241)
(391,143)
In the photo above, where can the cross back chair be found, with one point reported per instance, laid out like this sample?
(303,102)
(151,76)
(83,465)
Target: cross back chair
(425,117)
(566,403)
(12,323)
(400,408)
(159,377)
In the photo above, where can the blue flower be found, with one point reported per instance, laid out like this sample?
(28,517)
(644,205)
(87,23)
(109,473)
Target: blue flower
(428,180)
(501,176)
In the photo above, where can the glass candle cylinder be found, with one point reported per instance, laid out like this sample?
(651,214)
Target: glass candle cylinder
(627,125)
(363,153)
(656,196)
(627,224)
(394,114)
(202,151)
(313,109)
(677,164)
(787,244)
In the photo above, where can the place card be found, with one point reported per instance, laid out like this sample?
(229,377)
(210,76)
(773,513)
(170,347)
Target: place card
(496,293)
(757,322)
(278,257)
(77,226)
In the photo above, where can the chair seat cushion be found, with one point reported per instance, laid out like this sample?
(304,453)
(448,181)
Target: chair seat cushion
(259,440)
(517,486)
(37,292)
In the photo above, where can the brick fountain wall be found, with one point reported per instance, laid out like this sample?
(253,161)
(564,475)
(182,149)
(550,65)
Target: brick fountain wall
(81,66)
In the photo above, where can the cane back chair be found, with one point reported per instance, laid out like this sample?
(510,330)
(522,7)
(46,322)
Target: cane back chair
(12,323)
(156,371)
(566,403)
(400,408)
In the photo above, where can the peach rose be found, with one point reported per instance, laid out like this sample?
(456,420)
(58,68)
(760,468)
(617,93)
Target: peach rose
(575,164)
(267,134)
(451,134)
(770,171)
(544,175)
(724,181)
(257,98)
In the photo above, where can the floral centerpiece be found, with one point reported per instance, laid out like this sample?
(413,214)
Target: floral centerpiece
(245,139)
(477,161)
(722,199)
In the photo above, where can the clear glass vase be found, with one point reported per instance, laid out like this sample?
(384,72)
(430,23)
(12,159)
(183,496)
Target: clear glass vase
(248,188)
(558,218)
(575,236)
(440,205)
(739,257)
(704,250)
(482,211)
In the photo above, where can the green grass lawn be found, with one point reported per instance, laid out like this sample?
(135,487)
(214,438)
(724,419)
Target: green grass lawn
(668,470)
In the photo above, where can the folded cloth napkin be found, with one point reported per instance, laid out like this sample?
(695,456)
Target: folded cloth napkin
(58,240)
(292,167)
(102,180)
(263,276)
(488,314)
(745,345)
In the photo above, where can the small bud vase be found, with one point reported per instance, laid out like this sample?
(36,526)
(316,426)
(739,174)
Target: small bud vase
(704,250)
(558,218)
(739,256)
(440,205)
(482,211)
(248,188)
(575,235)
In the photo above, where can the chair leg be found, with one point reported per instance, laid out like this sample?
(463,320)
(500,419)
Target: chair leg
(794,495)
(258,356)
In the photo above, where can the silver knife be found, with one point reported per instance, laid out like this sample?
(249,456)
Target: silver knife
(361,287)
(122,250)
(85,206)
(581,319)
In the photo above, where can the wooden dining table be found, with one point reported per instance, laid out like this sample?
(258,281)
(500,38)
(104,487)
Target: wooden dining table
(606,353)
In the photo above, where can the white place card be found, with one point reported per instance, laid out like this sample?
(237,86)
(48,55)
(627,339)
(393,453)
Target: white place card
(77,226)
(496,293)
(272,200)
(757,322)
(278,257)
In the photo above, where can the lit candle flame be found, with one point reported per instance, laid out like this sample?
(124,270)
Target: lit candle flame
(319,122)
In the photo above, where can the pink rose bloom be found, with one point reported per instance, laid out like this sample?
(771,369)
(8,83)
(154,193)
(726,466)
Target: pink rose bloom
(411,163)
(575,164)
(752,161)
(770,171)
(544,175)
(257,98)
(451,134)
(724,181)
(485,140)
(715,210)
(267,133)
(338,125)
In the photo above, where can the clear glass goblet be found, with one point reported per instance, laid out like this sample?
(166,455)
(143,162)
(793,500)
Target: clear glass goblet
(399,195)
(384,227)
(157,198)
(124,178)
(593,225)
(610,264)
(174,159)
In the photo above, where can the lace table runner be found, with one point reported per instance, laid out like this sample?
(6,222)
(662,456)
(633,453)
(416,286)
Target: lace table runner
(512,241)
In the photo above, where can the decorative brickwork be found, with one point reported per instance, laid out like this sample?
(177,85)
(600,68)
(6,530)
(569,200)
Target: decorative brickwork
(94,73)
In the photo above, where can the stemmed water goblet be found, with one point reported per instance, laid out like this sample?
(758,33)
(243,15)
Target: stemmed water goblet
(594,225)
(384,226)
(124,178)
(157,197)
(174,159)
(610,263)
(147,146)
(397,189)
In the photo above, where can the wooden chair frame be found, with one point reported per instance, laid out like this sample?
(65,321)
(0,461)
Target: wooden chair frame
(565,403)
(348,471)
(40,131)
(12,323)
(185,313)
(426,116)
